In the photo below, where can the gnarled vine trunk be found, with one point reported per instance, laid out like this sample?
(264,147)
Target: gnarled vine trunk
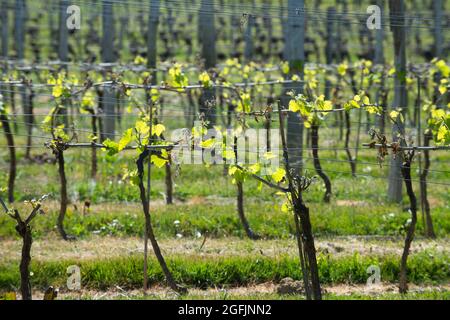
(64,198)
(303,212)
(423,188)
(24,231)
(94,149)
(406,173)
(240,201)
(169,182)
(317,165)
(242,217)
(305,241)
(149,233)
(350,158)
(12,156)
(29,119)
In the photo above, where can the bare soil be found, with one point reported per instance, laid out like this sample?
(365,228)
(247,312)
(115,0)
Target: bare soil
(97,247)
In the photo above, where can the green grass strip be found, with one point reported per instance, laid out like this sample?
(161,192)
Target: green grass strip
(202,272)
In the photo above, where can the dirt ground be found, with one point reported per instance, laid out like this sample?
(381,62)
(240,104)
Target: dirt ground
(107,247)
(159,292)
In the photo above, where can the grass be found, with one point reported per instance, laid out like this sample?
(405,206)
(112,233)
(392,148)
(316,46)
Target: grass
(247,294)
(207,200)
(208,295)
(199,271)
(431,295)
(221,220)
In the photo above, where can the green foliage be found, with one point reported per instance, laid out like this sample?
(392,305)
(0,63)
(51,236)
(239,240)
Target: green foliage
(126,272)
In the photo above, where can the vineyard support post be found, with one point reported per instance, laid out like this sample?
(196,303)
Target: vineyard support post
(269,29)
(284,30)
(108,55)
(53,33)
(124,21)
(151,63)
(27,107)
(248,53)
(379,60)
(207,35)
(418,123)
(340,55)
(295,49)
(234,27)
(63,31)
(379,36)
(438,40)
(438,35)
(397,11)
(152,38)
(19,29)
(330,45)
(5,28)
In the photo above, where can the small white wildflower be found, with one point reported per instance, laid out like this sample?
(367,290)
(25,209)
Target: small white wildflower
(367,169)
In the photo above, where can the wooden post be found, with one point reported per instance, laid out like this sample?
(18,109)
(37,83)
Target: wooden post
(4,19)
(269,27)
(109,99)
(63,50)
(19,28)
(248,53)
(234,29)
(152,37)
(284,30)
(124,21)
(63,31)
(379,59)
(208,43)
(438,39)
(108,32)
(397,11)
(208,33)
(330,45)
(379,48)
(53,46)
(295,51)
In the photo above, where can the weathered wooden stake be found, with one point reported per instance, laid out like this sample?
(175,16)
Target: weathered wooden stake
(109,98)
(19,29)
(63,47)
(295,49)
(397,11)
(5,28)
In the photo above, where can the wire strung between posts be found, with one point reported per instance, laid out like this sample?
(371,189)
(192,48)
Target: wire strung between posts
(23,65)
(311,14)
(408,148)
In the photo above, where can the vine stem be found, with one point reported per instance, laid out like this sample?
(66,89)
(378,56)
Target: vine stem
(150,113)
(419,135)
